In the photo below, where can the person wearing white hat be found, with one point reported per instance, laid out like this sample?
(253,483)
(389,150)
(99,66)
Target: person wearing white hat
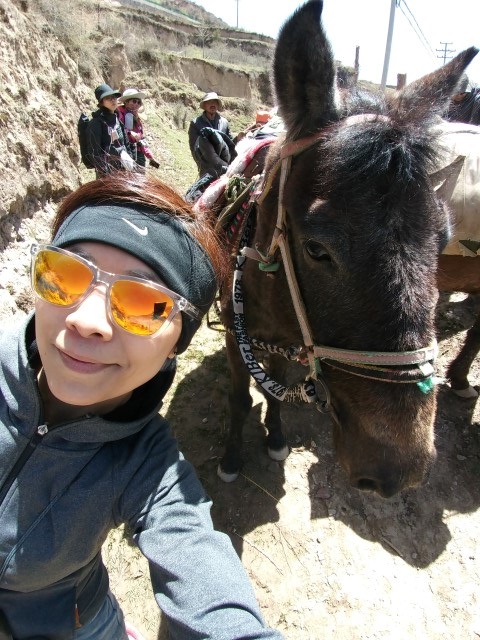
(211,151)
(128,113)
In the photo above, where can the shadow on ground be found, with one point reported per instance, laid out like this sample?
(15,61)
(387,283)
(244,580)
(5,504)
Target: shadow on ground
(411,525)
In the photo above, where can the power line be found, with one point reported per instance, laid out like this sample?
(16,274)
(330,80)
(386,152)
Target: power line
(443,52)
(417,29)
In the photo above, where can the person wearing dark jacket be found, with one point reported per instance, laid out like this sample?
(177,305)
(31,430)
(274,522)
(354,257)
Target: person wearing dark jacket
(108,147)
(211,143)
(120,291)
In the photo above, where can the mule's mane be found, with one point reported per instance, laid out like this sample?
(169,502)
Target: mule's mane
(376,149)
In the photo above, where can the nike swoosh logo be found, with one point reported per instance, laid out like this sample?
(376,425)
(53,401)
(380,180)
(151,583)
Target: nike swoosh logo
(142,232)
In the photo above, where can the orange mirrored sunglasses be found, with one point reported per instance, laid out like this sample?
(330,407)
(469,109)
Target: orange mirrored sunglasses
(137,305)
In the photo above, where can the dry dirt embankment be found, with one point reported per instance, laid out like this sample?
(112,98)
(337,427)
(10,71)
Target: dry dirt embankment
(41,91)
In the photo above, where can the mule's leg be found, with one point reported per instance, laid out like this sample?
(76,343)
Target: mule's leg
(240,403)
(458,370)
(276,441)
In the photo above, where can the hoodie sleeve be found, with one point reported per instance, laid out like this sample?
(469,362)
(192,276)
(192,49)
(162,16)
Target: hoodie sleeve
(197,578)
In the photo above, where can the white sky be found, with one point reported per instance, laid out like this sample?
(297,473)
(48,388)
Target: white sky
(364,23)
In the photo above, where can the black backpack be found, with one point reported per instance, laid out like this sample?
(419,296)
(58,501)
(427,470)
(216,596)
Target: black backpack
(82,139)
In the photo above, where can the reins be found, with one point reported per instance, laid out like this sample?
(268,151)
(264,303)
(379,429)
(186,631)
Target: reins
(404,367)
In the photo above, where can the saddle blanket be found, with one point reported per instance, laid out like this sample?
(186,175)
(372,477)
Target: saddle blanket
(216,190)
(460,170)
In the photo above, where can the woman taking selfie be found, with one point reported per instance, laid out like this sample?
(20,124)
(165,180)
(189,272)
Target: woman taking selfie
(120,290)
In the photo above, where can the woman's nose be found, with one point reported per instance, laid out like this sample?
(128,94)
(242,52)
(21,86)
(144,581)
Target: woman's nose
(91,317)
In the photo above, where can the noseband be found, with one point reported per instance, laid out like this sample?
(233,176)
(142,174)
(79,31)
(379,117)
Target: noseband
(394,367)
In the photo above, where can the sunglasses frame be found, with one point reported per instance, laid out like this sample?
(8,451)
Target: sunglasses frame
(99,276)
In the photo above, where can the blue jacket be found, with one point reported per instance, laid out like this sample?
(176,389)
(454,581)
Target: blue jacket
(63,487)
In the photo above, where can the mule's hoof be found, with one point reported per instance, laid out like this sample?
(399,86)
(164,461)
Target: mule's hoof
(226,477)
(469,392)
(279,454)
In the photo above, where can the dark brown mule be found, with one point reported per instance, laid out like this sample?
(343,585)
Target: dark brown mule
(356,241)
(458,273)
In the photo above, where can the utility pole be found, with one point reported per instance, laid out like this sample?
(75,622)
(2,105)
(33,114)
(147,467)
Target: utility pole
(444,51)
(357,64)
(237,1)
(388,47)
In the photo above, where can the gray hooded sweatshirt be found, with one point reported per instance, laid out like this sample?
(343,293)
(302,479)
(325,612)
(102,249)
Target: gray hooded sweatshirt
(63,487)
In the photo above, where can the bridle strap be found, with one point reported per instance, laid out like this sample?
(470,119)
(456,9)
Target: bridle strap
(378,358)
(279,240)
(279,235)
(295,294)
(296,147)
(394,375)
(288,149)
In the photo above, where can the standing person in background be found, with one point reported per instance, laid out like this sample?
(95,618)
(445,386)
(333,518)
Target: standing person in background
(120,291)
(128,112)
(108,148)
(211,143)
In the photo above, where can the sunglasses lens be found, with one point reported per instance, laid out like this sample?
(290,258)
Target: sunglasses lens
(60,279)
(139,308)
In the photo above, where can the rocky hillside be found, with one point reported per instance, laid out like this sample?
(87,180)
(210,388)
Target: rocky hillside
(41,90)
(53,54)
(47,72)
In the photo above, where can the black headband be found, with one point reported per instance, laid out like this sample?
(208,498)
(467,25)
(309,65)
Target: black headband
(157,238)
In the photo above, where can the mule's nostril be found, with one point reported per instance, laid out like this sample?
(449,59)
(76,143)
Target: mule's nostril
(384,488)
(366,484)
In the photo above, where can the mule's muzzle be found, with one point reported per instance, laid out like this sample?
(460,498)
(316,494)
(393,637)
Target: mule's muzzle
(388,483)
(385,489)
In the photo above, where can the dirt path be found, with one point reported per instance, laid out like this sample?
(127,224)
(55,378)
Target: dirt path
(327,561)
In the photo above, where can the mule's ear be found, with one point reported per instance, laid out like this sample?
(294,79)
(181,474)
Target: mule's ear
(430,96)
(304,73)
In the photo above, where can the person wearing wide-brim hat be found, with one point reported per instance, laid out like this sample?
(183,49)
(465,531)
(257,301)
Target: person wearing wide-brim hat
(108,148)
(128,112)
(213,100)
(105,92)
(207,158)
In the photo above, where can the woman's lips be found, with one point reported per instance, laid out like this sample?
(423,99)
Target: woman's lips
(81,364)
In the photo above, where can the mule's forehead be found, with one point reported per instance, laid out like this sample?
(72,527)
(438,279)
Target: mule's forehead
(374,153)
(362,118)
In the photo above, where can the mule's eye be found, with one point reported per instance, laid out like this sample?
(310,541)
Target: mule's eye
(317,251)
